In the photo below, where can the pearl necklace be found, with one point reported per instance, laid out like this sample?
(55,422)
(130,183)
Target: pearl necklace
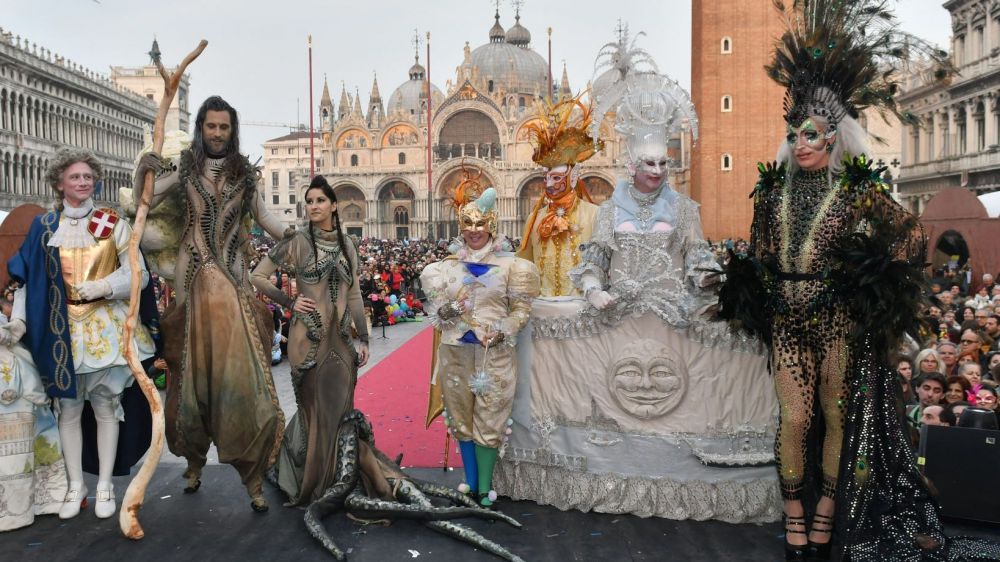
(644,214)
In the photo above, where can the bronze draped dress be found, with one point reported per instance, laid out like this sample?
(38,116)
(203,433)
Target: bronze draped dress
(323,361)
(217,334)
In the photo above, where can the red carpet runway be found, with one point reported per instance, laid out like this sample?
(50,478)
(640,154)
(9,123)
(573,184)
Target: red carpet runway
(393,394)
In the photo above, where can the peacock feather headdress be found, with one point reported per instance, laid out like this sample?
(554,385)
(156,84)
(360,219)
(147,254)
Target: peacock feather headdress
(840,57)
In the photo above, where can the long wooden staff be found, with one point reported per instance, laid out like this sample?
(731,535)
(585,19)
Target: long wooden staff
(128,517)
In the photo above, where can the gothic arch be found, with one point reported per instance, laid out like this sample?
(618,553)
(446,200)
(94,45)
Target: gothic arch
(387,136)
(383,188)
(528,192)
(352,136)
(599,186)
(445,114)
(351,206)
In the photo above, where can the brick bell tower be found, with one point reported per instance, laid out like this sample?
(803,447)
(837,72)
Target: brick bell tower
(739,108)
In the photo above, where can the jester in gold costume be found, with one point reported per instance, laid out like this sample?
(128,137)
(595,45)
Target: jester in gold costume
(479,299)
(563,217)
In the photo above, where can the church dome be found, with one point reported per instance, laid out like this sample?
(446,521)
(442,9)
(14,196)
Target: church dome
(518,34)
(409,95)
(497,32)
(417,71)
(515,69)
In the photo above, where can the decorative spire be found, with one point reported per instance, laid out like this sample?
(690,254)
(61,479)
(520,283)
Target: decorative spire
(417,71)
(375,97)
(518,34)
(345,102)
(326,100)
(564,89)
(497,33)
(356,108)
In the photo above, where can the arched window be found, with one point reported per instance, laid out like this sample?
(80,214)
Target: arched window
(401,216)
(352,213)
(727,162)
(402,158)
(727,46)
(727,103)
(354,160)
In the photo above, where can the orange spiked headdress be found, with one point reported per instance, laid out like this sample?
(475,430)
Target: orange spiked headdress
(560,136)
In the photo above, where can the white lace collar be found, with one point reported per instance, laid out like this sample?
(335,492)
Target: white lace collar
(72,231)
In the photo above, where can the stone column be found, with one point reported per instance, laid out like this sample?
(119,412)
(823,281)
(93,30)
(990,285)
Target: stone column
(952,130)
(970,127)
(989,120)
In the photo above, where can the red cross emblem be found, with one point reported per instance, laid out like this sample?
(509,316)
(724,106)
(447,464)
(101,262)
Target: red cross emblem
(102,224)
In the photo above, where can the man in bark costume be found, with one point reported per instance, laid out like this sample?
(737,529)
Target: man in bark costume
(217,334)
(563,217)
(71,309)
(838,264)
(479,298)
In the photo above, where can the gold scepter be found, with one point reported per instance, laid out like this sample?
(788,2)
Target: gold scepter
(128,517)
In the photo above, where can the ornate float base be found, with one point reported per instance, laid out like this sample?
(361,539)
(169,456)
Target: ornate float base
(636,416)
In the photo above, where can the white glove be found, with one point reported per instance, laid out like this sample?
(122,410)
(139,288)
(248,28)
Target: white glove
(12,332)
(600,299)
(93,290)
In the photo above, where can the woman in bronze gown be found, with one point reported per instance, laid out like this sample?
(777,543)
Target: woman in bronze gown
(324,364)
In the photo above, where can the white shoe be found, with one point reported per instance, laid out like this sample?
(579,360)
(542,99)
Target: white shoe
(75,500)
(105,506)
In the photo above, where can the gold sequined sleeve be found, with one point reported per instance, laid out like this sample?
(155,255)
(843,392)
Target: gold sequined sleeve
(523,284)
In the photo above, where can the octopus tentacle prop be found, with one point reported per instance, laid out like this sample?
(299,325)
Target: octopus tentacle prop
(386,492)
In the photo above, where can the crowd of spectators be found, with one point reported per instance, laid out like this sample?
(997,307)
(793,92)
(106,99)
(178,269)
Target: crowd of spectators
(958,364)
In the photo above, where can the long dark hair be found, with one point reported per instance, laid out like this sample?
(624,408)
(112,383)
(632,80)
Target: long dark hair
(319,182)
(233,165)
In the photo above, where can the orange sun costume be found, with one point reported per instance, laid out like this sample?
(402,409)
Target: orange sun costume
(563,217)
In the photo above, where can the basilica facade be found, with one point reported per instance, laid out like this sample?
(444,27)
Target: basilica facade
(375,155)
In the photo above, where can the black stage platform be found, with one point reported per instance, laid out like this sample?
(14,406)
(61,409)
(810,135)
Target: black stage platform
(217,524)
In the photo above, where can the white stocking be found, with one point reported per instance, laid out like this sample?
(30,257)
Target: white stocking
(71,437)
(107,434)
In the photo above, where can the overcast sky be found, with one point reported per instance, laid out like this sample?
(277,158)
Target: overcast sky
(257,53)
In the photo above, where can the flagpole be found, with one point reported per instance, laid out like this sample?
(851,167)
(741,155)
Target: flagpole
(312,136)
(430,159)
(550,64)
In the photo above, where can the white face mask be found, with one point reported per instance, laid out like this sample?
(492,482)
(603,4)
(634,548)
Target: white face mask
(653,165)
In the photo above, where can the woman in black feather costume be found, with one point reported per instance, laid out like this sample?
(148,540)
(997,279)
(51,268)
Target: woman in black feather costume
(841,266)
